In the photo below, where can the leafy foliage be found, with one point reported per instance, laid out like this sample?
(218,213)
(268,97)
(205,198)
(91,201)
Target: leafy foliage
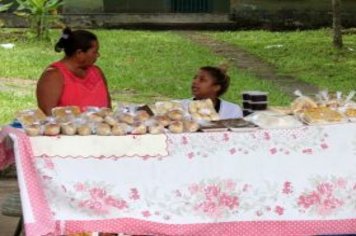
(42,15)
(4,7)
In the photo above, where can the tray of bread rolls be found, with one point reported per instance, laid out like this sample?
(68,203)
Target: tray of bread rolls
(137,120)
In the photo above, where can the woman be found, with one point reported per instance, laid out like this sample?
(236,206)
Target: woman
(213,82)
(74,80)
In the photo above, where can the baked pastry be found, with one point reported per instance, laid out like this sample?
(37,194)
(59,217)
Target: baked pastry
(321,115)
(127,118)
(139,129)
(176,127)
(51,129)
(166,106)
(95,117)
(163,120)
(303,103)
(84,130)
(103,129)
(60,112)
(190,126)
(119,129)
(33,130)
(68,129)
(142,116)
(350,112)
(110,119)
(104,111)
(156,129)
(175,115)
(203,110)
(30,116)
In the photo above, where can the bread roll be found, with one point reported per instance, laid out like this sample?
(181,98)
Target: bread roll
(33,130)
(176,127)
(163,120)
(142,116)
(61,112)
(68,129)
(175,115)
(190,126)
(127,118)
(30,116)
(119,129)
(110,119)
(139,129)
(51,129)
(303,103)
(103,129)
(95,117)
(84,130)
(156,129)
(203,110)
(104,111)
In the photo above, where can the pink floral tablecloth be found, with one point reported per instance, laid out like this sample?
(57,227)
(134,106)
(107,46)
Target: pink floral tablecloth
(267,182)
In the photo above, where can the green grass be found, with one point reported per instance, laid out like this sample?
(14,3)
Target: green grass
(307,55)
(140,66)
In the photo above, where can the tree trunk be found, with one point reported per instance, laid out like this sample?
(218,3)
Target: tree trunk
(337,34)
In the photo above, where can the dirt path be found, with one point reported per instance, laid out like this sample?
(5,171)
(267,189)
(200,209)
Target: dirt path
(245,61)
(25,86)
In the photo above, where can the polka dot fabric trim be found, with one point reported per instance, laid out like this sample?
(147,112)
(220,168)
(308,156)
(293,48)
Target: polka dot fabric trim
(273,228)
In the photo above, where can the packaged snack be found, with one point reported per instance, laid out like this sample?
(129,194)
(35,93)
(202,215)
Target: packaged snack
(30,116)
(176,127)
(166,106)
(203,110)
(302,102)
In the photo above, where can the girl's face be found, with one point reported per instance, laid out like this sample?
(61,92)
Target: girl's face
(203,86)
(89,57)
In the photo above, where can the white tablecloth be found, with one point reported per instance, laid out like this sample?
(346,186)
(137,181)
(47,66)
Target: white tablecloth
(272,182)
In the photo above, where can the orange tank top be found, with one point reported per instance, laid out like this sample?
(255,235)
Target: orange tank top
(82,92)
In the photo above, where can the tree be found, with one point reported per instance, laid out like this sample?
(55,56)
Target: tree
(41,13)
(337,34)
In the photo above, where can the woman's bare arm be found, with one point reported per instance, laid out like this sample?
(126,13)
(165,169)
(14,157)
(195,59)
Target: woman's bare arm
(107,88)
(49,90)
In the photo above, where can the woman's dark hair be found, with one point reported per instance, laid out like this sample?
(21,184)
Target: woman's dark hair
(220,77)
(71,41)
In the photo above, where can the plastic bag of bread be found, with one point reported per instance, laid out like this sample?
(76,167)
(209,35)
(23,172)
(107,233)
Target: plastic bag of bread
(302,102)
(111,120)
(176,127)
(321,115)
(203,110)
(165,106)
(51,129)
(102,129)
(163,120)
(190,126)
(156,128)
(68,128)
(120,129)
(142,116)
(33,130)
(329,100)
(139,129)
(30,116)
(126,118)
(175,114)
(84,129)
(65,114)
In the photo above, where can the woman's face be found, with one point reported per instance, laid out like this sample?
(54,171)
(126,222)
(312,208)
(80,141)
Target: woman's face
(203,86)
(89,57)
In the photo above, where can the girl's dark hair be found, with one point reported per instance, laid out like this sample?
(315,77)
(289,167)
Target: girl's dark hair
(220,77)
(71,41)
